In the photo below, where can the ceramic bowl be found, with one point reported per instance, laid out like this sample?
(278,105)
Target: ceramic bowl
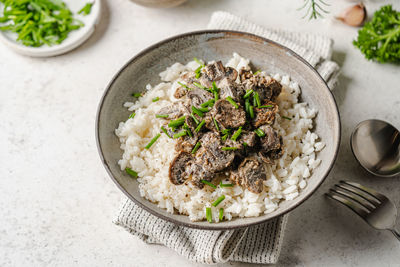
(159,3)
(214,45)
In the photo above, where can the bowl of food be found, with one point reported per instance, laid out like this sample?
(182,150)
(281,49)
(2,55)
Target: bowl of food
(217,129)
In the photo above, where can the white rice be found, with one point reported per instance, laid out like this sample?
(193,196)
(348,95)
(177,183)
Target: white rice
(285,178)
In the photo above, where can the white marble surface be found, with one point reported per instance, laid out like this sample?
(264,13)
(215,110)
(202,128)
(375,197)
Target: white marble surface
(57,202)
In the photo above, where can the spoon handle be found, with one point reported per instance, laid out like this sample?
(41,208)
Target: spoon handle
(396,234)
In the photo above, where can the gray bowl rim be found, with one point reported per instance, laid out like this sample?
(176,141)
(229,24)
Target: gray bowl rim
(215,226)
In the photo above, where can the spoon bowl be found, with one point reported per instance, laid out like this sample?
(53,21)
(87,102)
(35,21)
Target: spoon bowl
(376,146)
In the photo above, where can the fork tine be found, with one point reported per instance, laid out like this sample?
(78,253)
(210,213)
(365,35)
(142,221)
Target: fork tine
(361,212)
(360,193)
(369,191)
(364,203)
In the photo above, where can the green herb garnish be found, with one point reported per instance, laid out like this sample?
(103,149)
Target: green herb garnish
(230,100)
(198,128)
(152,141)
(132,115)
(259,132)
(247,106)
(194,118)
(197,111)
(248,93)
(257,72)
(379,39)
(314,9)
(184,86)
(251,111)
(137,95)
(208,103)
(131,172)
(221,214)
(216,124)
(38,22)
(178,122)
(165,131)
(236,134)
(257,100)
(155,99)
(208,183)
(200,86)
(225,185)
(198,72)
(180,134)
(198,62)
(196,147)
(187,128)
(266,106)
(286,118)
(86,9)
(215,90)
(228,148)
(218,201)
(209,214)
(162,115)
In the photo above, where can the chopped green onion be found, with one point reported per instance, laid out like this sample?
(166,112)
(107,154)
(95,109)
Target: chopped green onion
(245,144)
(236,134)
(225,185)
(198,128)
(224,137)
(208,183)
(187,128)
(215,90)
(86,9)
(194,118)
(184,86)
(131,172)
(226,131)
(257,99)
(208,214)
(218,200)
(257,72)
(165,131)
(203,109)
(180,134)
(221,214)
(152,141)
(196,147)
(247,106)
(197,111)
(199,85)
(228,148)
(137,95)
(230,100)
(259,132)
(198,72)
(287,118)
(162,115)
(266,106)
(155,99)
(251,111)
(208,103)
(132,115)
(176,123)
(198,62)
(248,93)
(216,124)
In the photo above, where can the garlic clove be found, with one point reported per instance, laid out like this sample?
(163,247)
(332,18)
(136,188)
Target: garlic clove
(354,15)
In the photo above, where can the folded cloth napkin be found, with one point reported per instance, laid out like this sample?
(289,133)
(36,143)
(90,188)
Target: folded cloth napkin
(255,244)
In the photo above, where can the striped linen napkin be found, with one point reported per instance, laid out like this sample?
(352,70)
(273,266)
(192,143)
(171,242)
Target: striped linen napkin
(256,244)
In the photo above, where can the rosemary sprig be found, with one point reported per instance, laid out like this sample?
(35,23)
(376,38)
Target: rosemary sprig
(314,9)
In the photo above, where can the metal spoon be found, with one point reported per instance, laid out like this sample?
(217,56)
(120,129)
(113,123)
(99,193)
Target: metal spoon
(376,146)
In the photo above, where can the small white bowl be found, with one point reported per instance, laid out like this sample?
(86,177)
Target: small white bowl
(74,39)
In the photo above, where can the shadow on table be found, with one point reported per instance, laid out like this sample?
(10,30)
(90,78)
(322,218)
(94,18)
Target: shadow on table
(343,81)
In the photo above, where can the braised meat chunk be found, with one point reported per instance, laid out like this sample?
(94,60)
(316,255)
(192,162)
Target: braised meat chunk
(265,114)
(250,174)
(178,169)
(228,115)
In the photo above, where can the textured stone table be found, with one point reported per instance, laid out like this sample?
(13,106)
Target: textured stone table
(57,202)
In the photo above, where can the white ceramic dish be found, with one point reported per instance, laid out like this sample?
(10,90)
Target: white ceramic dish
(75,38)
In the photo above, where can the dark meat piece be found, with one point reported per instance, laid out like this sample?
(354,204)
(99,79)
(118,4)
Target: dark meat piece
(175,110)
(199,96)
(178,169)
(227,115)
(266,87)
(271,145)
(198,173)
(251,174)
(211,156)
(249,138)
(188,78)
(186,143)
(216,72)
(265,115)
(230,88)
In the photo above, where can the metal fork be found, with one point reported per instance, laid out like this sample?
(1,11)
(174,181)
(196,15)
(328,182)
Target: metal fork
(376,209)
